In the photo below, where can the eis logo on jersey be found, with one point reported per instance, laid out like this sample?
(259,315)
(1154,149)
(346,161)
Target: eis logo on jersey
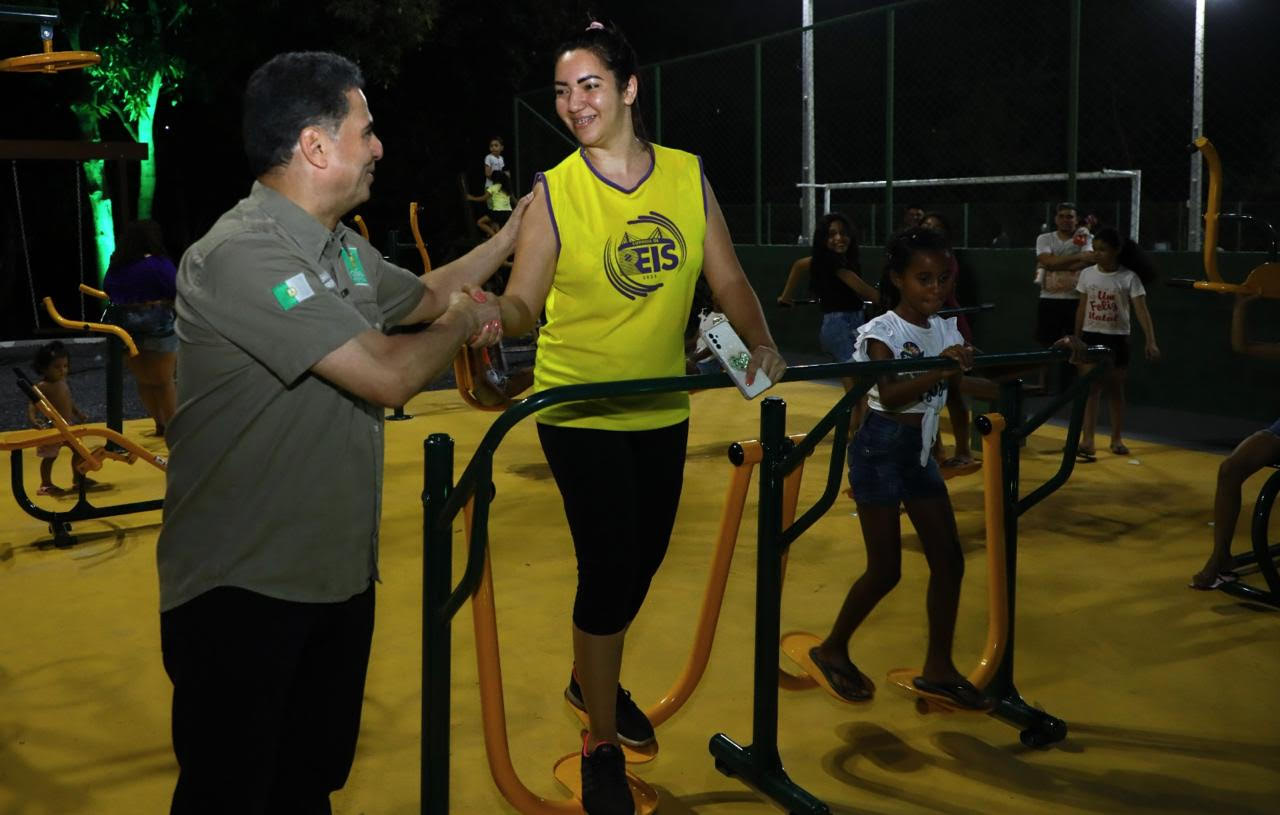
(649,250)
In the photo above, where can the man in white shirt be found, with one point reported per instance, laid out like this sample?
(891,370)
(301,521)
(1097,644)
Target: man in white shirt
(1060,255)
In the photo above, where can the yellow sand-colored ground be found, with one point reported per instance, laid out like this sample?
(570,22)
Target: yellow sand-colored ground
(1172,696)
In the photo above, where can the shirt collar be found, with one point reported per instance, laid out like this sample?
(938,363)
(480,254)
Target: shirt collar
(301,225)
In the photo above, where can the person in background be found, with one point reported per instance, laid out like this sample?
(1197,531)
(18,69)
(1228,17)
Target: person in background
(141,282)
(1259,450)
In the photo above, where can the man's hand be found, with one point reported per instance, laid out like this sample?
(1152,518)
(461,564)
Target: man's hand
(511,229)
(480,314)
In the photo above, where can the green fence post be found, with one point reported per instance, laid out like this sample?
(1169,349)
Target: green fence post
(759,135)
(515,143)
(437,572)
(1073,104)
(889,24)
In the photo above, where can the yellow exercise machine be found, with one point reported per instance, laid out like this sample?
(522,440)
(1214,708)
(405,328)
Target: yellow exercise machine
(1264,280)
(47,61)
(744,456)
(116,447)
(796,644)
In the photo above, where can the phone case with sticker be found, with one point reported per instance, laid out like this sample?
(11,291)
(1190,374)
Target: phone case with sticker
(734,356)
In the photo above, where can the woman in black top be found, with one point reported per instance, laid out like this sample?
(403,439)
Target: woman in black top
(835,280)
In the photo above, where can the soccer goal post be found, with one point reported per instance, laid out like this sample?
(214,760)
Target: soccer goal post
(1134,177)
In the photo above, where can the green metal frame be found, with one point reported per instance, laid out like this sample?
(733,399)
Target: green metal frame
(759,764)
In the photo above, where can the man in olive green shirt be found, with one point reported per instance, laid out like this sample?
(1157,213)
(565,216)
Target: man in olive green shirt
(269,550)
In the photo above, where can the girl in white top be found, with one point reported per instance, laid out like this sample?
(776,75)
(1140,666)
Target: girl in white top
(1107,292)
(890,464)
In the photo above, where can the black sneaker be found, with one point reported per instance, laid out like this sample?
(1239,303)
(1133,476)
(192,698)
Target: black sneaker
(634,729)
(604,782)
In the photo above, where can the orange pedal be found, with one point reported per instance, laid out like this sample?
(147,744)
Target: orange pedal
(568,772)
(796,645)
(926,702)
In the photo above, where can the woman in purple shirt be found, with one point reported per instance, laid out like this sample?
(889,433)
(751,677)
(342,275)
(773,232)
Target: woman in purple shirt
(141,284)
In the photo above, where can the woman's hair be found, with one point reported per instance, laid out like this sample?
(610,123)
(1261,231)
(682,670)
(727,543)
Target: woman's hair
(501,178)
(606,41)
(46,354)
(824,259)
(139,239)
(901,248)
(1130,254)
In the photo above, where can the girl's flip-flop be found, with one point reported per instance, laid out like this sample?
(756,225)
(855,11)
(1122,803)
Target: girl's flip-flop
(1219,580)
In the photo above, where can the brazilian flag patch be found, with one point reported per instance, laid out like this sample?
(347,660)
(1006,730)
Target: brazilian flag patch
(293,291)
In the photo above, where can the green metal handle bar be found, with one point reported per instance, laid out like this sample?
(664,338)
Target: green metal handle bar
(479,470)
(1077,394)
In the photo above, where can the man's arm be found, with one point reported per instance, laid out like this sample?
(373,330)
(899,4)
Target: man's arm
(473,269)
(1066,263)
(389,370)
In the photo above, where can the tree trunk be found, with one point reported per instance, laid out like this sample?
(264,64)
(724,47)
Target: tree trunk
(104,234)
(145,130)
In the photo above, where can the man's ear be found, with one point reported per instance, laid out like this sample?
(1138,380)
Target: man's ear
(314,145)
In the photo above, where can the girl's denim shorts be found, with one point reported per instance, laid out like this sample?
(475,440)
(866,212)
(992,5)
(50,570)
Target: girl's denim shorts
(884,464)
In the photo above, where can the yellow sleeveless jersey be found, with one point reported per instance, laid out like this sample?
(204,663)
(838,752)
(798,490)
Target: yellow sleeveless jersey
(624,279)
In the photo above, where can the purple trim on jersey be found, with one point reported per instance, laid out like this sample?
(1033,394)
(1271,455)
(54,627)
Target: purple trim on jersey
(653,162)
(702,175)
(1275,428)
(541,178)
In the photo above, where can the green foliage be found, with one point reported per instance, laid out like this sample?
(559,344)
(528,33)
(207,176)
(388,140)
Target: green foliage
(133,50)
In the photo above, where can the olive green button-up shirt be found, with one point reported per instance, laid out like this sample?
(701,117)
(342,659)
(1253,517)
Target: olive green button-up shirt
(275,475)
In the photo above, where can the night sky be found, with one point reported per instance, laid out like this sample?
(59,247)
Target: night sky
(452,92)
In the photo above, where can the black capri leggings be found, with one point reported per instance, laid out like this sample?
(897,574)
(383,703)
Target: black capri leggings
(620,490)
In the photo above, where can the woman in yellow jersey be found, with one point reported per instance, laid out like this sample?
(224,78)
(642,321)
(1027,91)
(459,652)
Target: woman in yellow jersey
(612,245)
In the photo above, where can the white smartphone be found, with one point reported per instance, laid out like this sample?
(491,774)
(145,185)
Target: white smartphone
(734,357)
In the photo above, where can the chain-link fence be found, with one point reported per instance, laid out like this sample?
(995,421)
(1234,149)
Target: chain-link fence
(930,90)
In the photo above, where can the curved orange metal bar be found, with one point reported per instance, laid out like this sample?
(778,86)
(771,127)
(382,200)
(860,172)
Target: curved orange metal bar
(96,328)
(718,577)
(493,711)
(466,383)
(1211,158)
(90,459)
(50,61)
(417,236)
(362,226)
(92,292)
(997,582)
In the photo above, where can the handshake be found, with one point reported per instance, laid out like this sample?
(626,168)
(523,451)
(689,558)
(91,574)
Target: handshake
(480,311)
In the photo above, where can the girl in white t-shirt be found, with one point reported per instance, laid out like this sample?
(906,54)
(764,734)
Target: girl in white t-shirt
(493,160)
(890,464)
(1107,290)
